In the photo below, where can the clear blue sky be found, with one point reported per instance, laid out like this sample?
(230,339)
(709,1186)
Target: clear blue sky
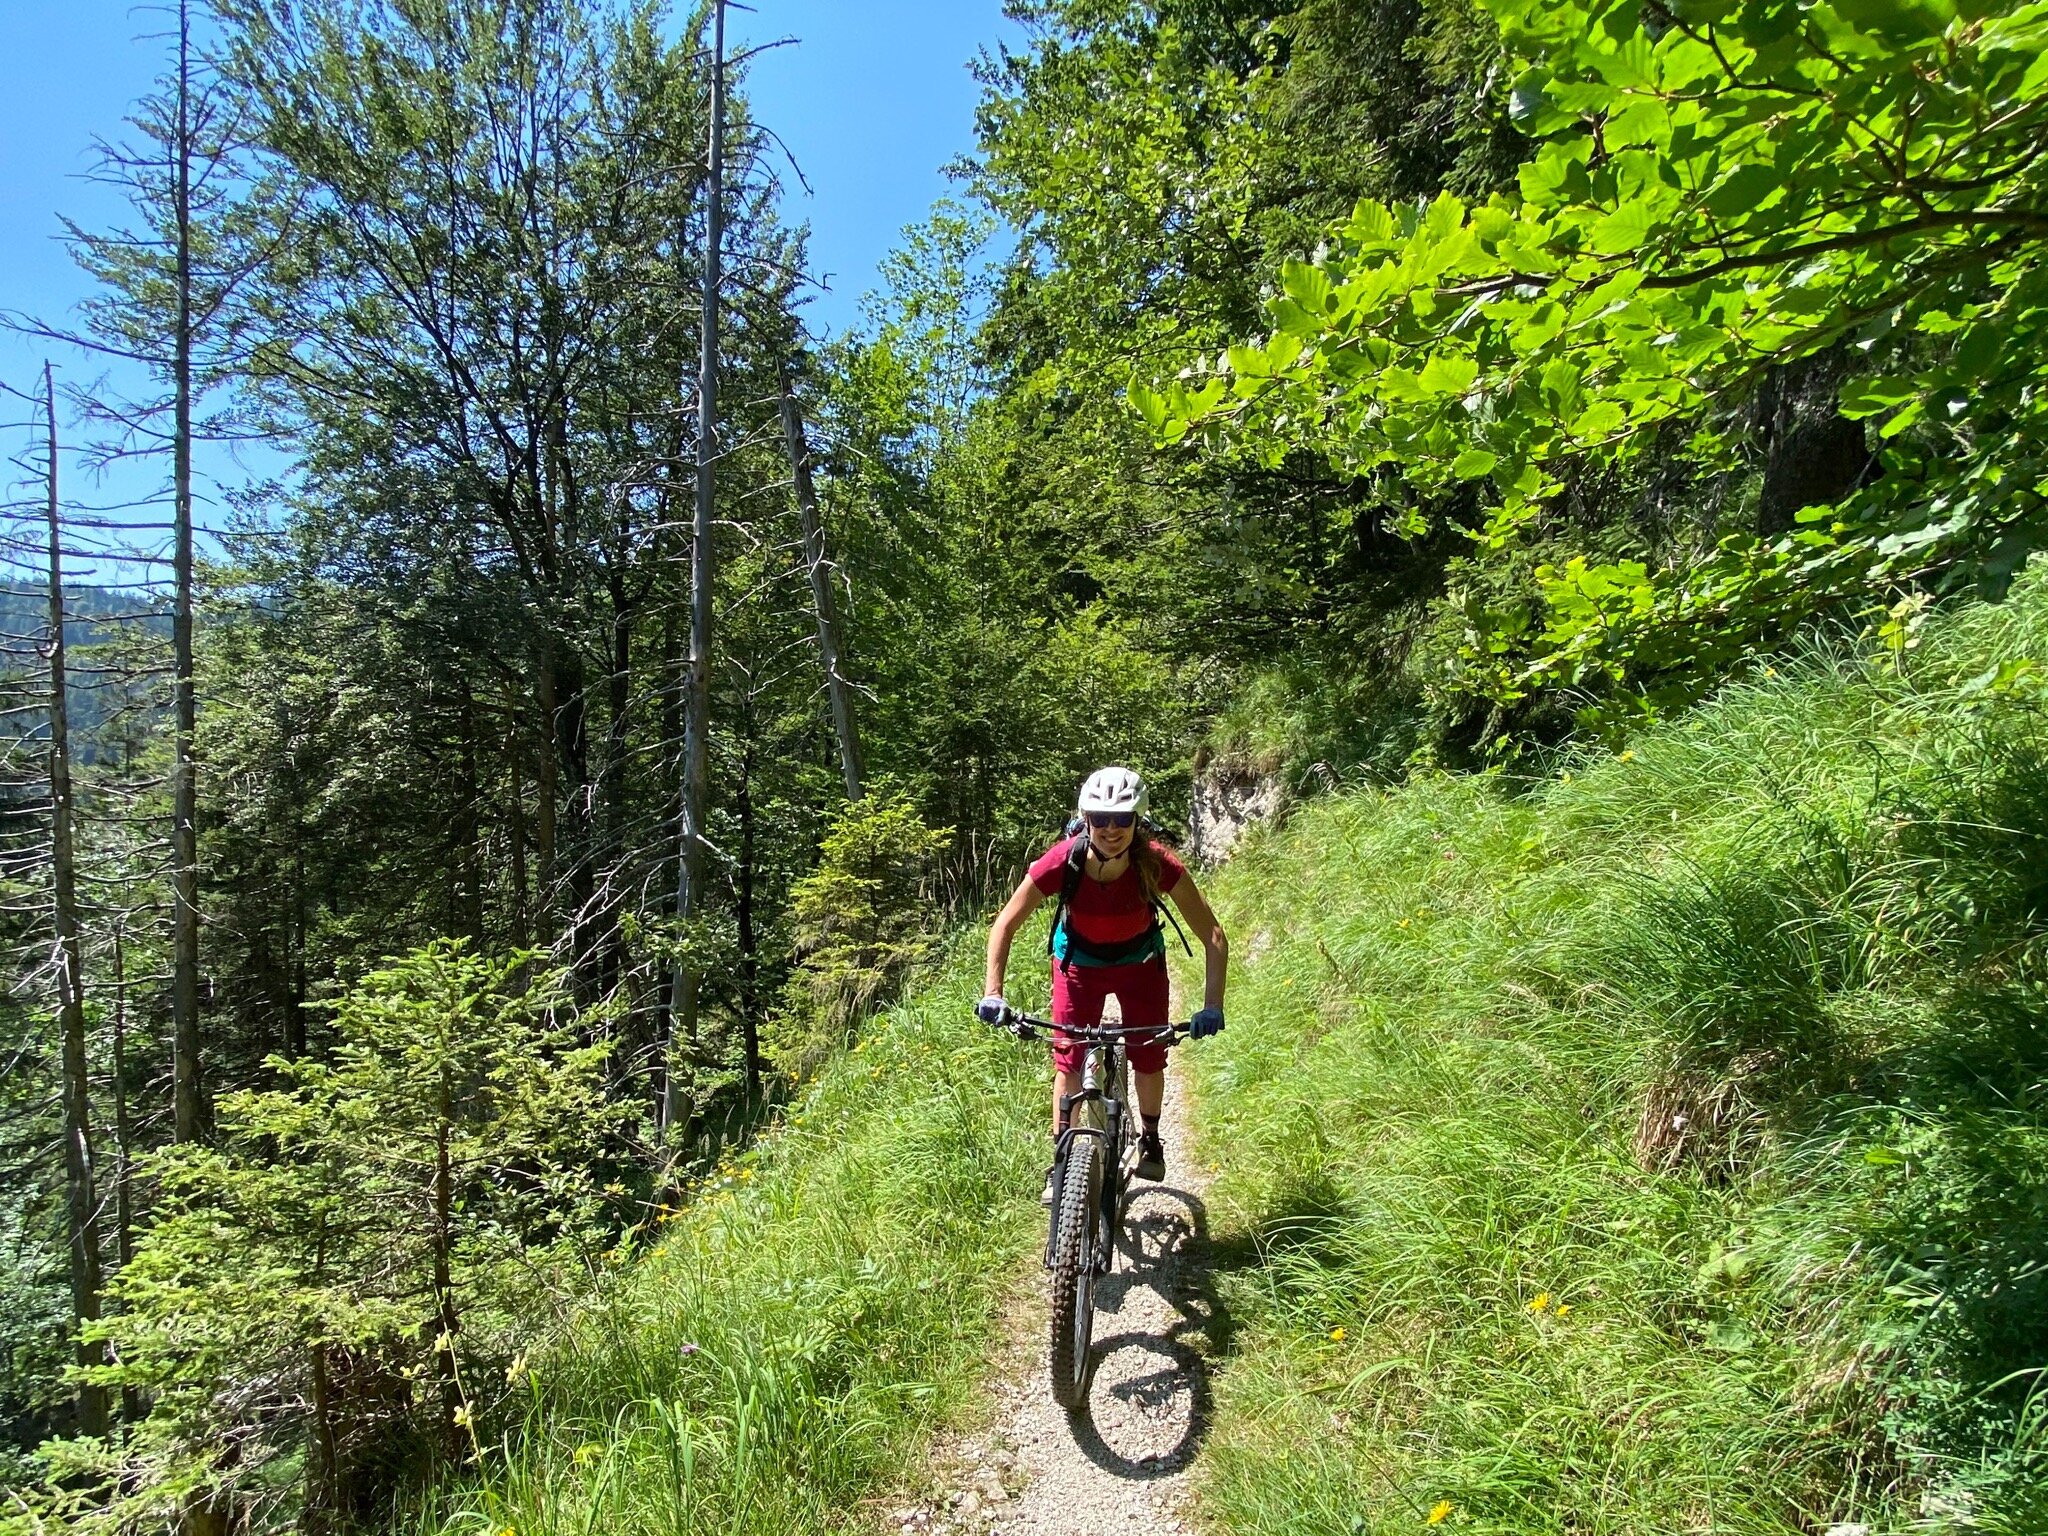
(874,101)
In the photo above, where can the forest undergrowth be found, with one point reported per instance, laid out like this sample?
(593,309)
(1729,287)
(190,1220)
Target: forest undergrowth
(800,1318)
(1661,1145)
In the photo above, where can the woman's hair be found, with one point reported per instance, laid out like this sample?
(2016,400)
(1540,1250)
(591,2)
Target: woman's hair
(1145,848)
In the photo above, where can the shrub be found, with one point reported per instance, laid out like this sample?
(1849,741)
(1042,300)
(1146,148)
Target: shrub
(864,917)
(330,1298)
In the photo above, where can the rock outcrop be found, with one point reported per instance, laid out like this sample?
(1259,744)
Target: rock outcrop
(1230,796)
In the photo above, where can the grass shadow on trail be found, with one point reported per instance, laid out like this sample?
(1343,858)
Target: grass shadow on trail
(1164,1246)
(1203,1334)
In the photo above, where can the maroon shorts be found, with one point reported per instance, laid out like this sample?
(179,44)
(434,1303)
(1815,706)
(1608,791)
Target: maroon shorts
(1078,993)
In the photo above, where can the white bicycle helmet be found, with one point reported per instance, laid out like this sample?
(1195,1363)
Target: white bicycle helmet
(1113,789)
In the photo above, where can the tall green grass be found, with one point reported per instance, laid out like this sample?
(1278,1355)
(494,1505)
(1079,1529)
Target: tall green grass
(1660,1147)
(801,1320)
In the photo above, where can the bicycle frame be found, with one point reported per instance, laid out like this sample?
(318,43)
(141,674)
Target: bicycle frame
(1080,1238)
(1099,1109)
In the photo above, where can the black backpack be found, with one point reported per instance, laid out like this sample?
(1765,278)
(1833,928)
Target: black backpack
(1073,870)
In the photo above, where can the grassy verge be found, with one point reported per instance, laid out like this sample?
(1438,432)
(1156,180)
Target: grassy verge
(1662,1147)
(805,1319)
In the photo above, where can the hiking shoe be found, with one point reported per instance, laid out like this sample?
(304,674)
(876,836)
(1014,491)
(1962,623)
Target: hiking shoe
(1045,1194)
(1151,1159)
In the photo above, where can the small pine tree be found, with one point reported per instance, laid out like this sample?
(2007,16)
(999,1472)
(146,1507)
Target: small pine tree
(863,918)
(339,1290)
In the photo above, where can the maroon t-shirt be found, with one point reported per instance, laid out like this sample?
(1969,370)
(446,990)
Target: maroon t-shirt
(1106,912)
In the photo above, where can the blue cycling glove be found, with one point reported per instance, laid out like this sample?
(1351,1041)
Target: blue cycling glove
(1206,1023)
(991,1009)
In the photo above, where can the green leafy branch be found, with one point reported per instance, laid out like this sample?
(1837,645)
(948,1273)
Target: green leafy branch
(1720,189)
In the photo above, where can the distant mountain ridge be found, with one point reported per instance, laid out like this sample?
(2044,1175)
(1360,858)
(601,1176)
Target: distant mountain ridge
(93,615)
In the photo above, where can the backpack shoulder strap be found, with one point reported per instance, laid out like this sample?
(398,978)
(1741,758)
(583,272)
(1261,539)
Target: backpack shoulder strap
(1076,868)
(1161,909)
(1072,871)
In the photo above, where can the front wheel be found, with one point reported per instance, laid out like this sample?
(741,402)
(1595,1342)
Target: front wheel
(1073,1272)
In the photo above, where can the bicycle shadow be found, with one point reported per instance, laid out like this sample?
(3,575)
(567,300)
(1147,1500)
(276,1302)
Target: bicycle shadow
(1149,1402)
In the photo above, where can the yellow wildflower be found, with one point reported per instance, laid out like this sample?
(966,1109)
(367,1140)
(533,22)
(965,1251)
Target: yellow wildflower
(587,1452)
(1541,1302)
(517,1368)
(1565,1310)
(1440,1512)
(1337,1334)
(462,1416)
(1628,757)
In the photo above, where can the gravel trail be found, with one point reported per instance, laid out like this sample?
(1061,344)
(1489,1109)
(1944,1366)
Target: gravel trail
(1121,1466)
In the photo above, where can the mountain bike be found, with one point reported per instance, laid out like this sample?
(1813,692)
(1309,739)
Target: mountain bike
(1092,1163)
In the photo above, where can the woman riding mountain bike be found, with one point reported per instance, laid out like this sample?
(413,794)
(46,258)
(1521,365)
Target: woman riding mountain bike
(1111,878)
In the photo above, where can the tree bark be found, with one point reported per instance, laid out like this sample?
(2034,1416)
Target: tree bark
(124,1141)
(611,940)
(124,1216)
(576,851)
(545,777)
(446,1317)
(185,1076)
(515,807)
(322,1464)
(295,958)
(678,1088)
(830,647)
(466,856)
(1814,455)
(750,960)
(81,1199)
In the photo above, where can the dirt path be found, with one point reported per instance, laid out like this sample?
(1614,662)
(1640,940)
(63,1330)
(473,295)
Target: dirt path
(1122,1465)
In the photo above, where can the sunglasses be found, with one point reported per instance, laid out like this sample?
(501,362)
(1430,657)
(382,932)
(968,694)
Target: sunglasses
(1102,819)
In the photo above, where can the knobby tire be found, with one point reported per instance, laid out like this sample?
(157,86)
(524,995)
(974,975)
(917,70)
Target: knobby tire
(1073,1272)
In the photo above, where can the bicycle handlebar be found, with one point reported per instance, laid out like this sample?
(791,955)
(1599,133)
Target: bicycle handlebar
(1025,1026)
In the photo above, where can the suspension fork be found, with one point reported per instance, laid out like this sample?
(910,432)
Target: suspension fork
(1062,1160)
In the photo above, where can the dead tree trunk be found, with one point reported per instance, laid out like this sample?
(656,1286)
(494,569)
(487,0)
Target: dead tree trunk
(81,1199)
(750,959)
(678,1088)
(124,1139)
(546,777)
(449,1321)
(515,814)
(185,1078)
(466,854)
(830,649)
